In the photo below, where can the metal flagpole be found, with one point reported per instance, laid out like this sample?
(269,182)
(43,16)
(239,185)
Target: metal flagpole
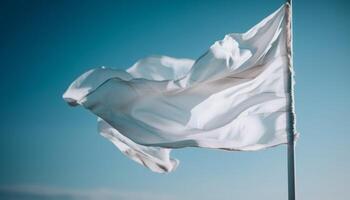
(291,133)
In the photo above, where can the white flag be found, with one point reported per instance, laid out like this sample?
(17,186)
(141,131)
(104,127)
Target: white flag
(234,97)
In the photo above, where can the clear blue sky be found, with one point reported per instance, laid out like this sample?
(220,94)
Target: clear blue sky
(49,150)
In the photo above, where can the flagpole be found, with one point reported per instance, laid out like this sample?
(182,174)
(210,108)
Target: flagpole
(291,133)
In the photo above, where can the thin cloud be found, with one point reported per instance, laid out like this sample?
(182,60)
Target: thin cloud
(29,192)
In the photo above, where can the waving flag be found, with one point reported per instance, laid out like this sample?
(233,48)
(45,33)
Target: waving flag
(235,97)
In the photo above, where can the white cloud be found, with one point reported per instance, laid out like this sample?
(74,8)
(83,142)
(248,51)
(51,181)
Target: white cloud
(23,192)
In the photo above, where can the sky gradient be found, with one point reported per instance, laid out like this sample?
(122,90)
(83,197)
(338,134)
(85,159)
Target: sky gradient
(49,150)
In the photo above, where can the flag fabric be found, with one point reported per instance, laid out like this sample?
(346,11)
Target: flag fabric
(234,97)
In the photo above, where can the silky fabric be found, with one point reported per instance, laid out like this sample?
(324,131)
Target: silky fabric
(234,97)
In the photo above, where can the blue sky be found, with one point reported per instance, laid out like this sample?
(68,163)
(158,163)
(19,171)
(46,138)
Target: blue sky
(49,150)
